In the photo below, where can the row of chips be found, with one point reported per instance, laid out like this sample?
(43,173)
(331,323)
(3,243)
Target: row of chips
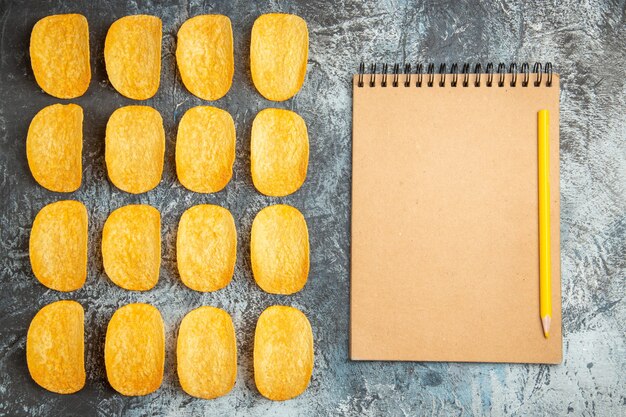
(135,148)
(206,351)
(59,50)
(206,247)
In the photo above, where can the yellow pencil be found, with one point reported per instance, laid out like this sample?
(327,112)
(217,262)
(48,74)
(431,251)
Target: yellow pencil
(545,270)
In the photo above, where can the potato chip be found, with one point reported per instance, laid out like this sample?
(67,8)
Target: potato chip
(206,247)
(131,247)
(132,54)
(54,147)
(279,249)
(55,347)
(206,353)
(135,147)
(283,353)
(279,152)
(58,245)
(279,51)
(204,55)
(134,349)
(205,149)
(59,55)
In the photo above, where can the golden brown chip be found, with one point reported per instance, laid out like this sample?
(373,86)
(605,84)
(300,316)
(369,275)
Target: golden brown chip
(132,53)
(205,149)
(131,247)
(54,147)
(59,55)
(279,152)
(206,353)
(55,347)
(135,147)
(204,55)
(206,247)
(134,349)
(279,249)
(283,353)
(279,51)
(58,245)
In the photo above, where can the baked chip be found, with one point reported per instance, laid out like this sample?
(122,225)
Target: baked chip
(283,353)
(135,147)
(131,247)
(279,51)
(205,149)
(58,245)
(279,249)
(54,147)
(206,353)
(279,152)
(132,54)
(134,349)
(59,55)
(206,247)
(204,55)
(55,347)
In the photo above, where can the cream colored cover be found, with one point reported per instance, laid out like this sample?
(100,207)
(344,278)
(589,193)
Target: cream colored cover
(445,239)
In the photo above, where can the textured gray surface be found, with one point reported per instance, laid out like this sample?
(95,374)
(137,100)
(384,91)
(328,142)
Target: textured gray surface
(585,39)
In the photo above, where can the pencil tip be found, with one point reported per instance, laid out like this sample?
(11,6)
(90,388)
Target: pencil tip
(545,321)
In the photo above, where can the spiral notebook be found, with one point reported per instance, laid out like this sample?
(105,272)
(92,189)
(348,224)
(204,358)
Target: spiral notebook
(445,239)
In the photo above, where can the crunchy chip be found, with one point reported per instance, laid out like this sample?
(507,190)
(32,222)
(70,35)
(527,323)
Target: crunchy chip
(54,147)
(278,55)
(283,353)
(205,149)
(134,349)
(59,55)
(55,347)
(204,55)
(58,245)
(131,247)
(206,353)
(132,53)
(135,147)
(206,247)
(279,152)
(279,249)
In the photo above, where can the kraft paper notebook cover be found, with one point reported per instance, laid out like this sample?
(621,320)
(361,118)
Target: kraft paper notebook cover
(445,235)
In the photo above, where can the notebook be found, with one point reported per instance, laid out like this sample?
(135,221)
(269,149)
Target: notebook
(445,235)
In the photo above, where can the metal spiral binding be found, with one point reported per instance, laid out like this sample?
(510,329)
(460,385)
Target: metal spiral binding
(513,71)
(465,71)
(489,74)
(383,80)
(501,73)
(442,75)
(454,69)
(361,72)
(420,68)
(407,77)
(478,69)
(524,71)
(373,76)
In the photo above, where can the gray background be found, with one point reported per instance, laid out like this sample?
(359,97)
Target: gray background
(585,39)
